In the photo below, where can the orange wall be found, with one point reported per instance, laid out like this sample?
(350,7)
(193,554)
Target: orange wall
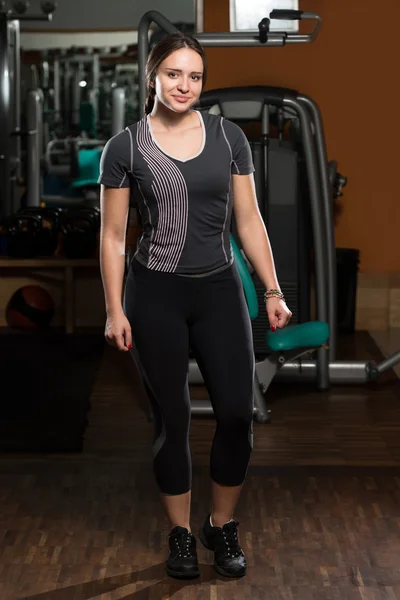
(350,71)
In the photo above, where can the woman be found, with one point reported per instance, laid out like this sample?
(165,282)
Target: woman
(187,171)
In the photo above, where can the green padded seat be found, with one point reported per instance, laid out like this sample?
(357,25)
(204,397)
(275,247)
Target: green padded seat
(247,282)
(89,167)
(304,335)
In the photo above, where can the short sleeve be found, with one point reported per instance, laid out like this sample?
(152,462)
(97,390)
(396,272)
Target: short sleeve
(242,159)
(115,163)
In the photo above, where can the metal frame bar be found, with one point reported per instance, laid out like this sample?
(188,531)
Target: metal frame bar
(118,96)
(340,372)
(220,40)
(199,16)
(34,113)
(319,235)
(57,90)
(15,78)
(10,116)
(5,99)
(388,363)
(328,220)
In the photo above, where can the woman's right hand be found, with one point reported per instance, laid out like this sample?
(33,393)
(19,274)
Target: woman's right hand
(118,331)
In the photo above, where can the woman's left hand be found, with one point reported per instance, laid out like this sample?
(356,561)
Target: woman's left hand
(278,313)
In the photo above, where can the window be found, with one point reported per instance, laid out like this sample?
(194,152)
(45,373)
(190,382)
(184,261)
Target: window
(245,15)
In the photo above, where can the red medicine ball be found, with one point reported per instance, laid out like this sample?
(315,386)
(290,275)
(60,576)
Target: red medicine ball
(31,307)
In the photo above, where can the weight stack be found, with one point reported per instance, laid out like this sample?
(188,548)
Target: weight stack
(284,205)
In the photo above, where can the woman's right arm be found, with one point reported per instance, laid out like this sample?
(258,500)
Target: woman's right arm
(114,203)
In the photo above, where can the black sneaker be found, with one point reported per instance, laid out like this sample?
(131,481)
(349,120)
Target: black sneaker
(182,560)
(229,558)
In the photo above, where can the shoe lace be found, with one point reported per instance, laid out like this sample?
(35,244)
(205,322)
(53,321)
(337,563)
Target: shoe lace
(231,540)
(183,542)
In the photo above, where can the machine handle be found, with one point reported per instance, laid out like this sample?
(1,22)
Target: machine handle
(296,15)
(287,15)
(263,28)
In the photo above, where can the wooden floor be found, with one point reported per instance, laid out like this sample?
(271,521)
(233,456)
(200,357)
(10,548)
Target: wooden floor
(319,513)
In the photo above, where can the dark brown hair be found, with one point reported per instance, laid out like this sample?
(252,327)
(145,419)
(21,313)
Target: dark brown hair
(165,47)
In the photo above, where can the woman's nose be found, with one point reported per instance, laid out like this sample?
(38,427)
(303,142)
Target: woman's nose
(183,85)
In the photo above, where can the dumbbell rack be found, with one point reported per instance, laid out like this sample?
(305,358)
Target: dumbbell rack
(67,266)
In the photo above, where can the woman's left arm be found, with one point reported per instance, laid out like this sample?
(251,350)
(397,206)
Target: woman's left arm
(256,245)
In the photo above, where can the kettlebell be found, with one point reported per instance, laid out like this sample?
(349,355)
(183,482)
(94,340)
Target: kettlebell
(79,233)
(48,237)
(23,233)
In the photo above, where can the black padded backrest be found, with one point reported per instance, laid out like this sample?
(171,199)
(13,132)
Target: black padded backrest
(243,103)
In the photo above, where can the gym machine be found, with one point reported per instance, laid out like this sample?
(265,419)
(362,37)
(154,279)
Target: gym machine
(280,154)
(288,348)
(92,101)
(69,70)
(10,109)
(89,86)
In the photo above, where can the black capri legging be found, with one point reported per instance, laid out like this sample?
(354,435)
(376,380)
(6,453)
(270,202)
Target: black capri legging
(169,316)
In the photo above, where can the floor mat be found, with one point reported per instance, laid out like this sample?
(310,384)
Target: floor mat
(46,383)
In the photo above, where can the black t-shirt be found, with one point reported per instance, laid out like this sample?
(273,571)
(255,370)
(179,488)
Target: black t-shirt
(185,205)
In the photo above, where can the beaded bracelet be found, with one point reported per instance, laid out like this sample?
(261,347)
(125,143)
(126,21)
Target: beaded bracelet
(273,294)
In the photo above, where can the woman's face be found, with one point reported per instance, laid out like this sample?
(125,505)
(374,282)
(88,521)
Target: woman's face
(178,82)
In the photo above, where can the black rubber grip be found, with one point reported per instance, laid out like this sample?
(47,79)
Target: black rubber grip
(286,15)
